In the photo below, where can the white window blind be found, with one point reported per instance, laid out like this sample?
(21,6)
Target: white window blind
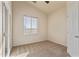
(30,25)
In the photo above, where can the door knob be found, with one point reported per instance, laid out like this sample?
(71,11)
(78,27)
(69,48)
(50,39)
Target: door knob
(76,36)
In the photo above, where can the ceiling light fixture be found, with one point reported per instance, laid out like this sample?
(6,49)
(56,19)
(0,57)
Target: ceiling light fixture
(34,1)
(47,2)
(44,1)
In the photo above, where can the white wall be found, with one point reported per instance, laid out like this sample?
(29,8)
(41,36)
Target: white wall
(57,26)
(19,10)
(52,27)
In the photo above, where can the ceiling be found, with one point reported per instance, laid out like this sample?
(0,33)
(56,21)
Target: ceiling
(48,8)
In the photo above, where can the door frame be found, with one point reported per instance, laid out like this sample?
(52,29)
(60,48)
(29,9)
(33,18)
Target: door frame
(4,29)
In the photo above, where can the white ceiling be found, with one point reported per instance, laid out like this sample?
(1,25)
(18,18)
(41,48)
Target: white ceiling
(50,7)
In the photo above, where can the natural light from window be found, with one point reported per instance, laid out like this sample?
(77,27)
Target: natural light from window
(30,24)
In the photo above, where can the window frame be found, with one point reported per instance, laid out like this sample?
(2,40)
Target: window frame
(31,29)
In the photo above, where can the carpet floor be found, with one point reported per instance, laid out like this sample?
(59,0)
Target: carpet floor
(40,49)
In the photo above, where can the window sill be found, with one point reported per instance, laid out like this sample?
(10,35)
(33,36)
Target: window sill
(31,34)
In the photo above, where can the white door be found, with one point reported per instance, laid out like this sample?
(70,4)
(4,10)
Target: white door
(5,29)
(73,28)
(0,28)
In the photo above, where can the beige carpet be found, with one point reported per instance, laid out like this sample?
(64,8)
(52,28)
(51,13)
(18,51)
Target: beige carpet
(40,49)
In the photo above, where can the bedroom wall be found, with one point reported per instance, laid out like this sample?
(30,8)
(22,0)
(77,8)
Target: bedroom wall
(52,26)
(19,10)
(57,31)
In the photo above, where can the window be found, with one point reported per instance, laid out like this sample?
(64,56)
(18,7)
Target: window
(30,24)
